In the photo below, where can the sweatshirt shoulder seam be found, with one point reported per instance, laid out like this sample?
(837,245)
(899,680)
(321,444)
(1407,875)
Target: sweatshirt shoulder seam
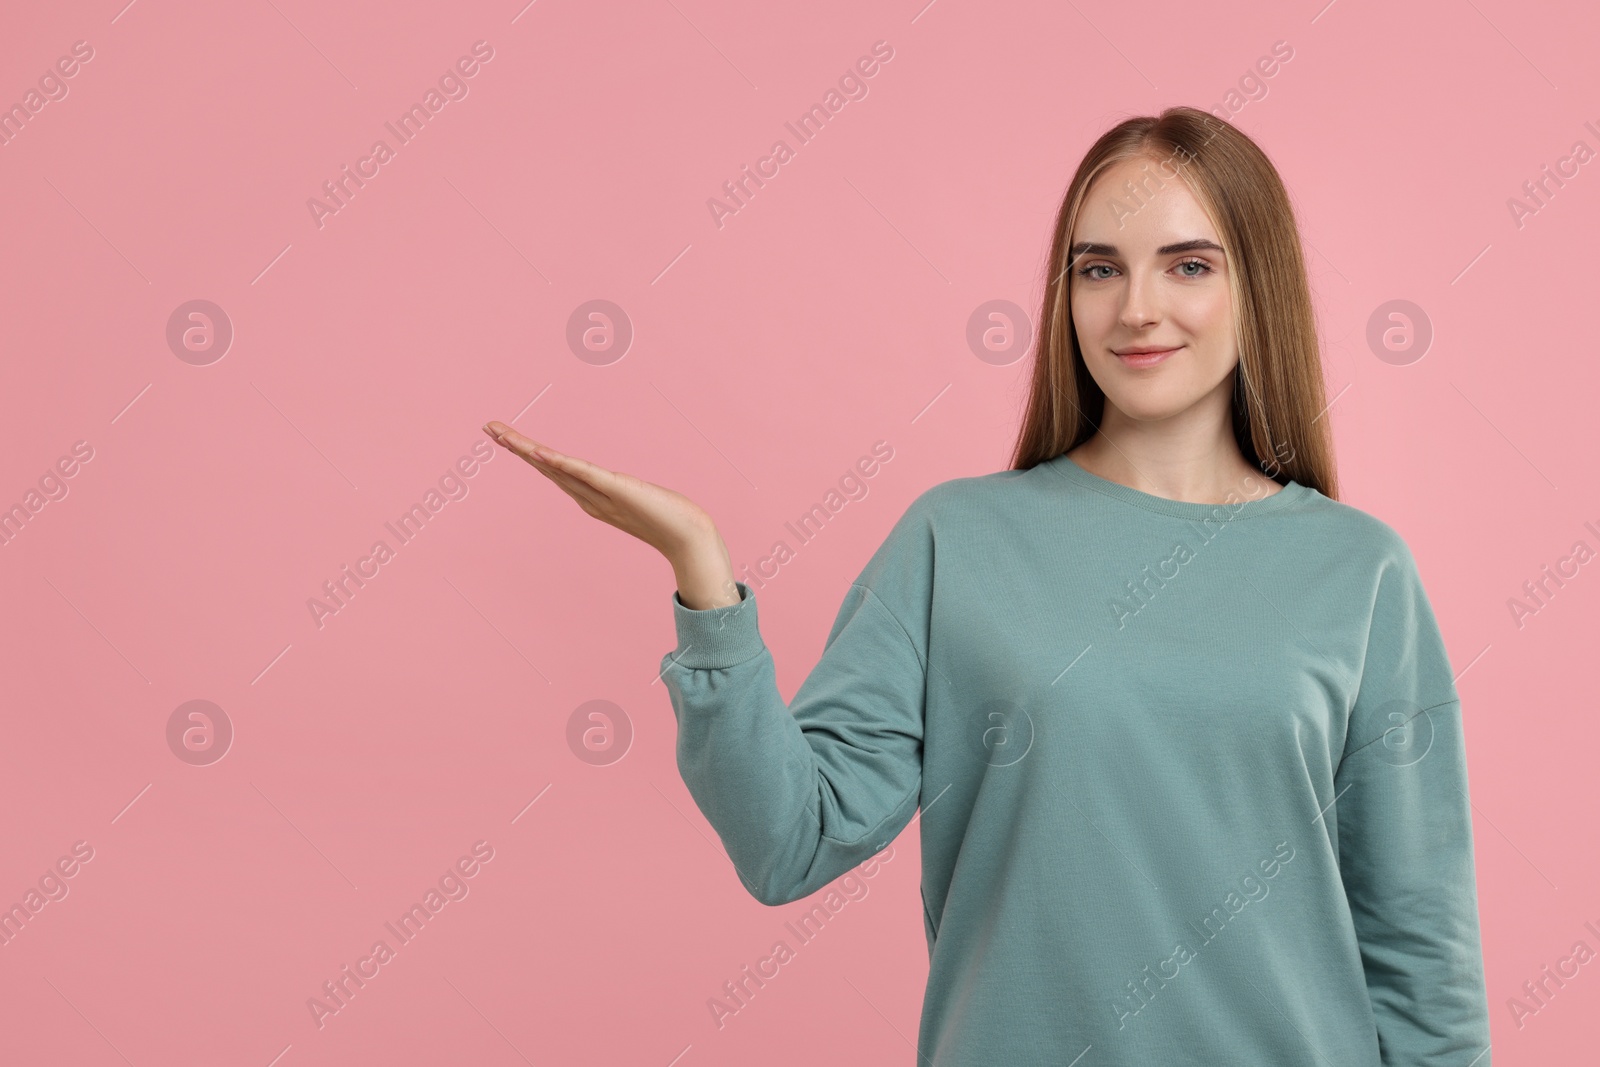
(922,660)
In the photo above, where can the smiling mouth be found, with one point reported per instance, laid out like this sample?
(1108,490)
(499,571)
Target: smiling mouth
(1147,359)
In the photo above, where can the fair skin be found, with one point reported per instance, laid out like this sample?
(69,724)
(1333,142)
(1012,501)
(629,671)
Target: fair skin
(1165,429)
(667,521)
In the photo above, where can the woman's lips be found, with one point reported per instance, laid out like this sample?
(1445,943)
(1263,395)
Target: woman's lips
(1147,359)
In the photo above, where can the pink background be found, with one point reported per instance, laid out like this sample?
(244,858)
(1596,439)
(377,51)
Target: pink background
(370,753)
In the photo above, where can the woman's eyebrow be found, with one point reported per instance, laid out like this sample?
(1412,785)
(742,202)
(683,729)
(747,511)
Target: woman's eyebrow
(1090,248)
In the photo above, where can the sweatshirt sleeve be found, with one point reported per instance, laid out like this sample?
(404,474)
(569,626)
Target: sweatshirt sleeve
(1404,827)
(801,793)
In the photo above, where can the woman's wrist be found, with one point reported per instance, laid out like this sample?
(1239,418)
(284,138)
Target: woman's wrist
(705,574)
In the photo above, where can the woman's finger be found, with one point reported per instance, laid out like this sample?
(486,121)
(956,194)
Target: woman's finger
(595,476)
(519,444)
(539,456)
(508,438)
(654,514)
(592,474)
(576,488)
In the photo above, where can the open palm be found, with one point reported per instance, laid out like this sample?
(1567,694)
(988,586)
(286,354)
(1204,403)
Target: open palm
(662,518)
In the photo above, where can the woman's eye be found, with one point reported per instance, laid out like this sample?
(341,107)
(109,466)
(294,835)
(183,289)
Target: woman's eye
(1204,269)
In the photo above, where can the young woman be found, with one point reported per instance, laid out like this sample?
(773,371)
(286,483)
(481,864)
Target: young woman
(1181,726)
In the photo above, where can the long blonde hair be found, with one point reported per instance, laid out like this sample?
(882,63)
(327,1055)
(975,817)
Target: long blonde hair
(1278,396)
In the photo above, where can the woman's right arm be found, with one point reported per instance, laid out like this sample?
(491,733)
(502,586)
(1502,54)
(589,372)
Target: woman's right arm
(799,793)
(803,792)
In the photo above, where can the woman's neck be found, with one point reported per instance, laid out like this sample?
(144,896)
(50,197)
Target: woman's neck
(1209,473)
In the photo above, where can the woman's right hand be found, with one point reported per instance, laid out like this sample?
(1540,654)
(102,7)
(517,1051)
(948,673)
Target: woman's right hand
(665,520)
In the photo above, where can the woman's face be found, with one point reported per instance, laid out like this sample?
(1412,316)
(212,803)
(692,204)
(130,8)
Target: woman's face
(1149,272)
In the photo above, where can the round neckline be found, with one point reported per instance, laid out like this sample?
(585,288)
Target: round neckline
(1287,495)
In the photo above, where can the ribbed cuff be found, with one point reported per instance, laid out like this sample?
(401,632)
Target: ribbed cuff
(717,637)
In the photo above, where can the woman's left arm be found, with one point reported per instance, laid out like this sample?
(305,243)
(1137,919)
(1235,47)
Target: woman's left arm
(1404,831)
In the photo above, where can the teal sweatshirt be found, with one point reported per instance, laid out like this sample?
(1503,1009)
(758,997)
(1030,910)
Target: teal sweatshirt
(1192,778)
